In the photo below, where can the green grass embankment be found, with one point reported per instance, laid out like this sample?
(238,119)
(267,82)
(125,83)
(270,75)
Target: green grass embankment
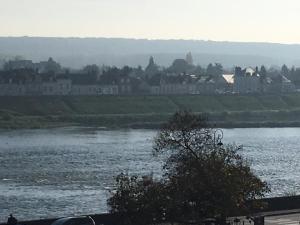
(147,111)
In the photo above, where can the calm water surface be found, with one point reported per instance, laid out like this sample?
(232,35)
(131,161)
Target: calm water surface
(69,171)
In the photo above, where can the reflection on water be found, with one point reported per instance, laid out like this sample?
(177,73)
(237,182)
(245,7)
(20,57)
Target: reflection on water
(69,171)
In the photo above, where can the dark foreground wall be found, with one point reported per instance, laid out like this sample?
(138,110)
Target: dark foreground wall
(273,204)
(100,219)
(282,203)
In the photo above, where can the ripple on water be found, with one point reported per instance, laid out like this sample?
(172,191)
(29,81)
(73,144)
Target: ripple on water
(63,172)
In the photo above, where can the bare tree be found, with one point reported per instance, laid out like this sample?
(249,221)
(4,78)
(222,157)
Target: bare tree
(202,177)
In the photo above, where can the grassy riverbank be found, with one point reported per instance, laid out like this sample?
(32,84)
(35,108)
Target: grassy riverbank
(147,111)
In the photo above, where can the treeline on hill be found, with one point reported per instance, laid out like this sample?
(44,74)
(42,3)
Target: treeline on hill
(77,52)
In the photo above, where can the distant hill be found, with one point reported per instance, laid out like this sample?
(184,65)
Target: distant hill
(77,52)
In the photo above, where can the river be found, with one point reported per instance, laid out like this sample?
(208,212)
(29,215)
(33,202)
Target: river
(69,171)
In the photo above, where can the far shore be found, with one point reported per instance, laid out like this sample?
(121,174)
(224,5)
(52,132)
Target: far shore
(44,124)
(114,112)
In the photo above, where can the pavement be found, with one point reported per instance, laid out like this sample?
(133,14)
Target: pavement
(284,217)
(290,219)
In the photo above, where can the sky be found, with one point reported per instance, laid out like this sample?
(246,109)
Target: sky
(220,20)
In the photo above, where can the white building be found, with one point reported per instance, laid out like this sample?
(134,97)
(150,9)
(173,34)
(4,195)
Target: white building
(246,81)
(94,89)
(58,87)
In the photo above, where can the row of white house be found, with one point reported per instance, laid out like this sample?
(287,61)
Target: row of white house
(244,82)
(59,87)
(247,81)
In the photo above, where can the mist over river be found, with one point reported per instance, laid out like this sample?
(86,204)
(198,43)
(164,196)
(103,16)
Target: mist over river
(69,171)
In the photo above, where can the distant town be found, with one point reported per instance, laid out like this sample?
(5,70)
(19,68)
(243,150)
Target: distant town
(20,77)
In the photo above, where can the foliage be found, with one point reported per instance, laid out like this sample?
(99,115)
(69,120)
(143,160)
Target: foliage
(285,70)
(52,66)
(215,178)
(91,69)
(263,72)
(141,200)
(180,66)
(214,70)
(202,177)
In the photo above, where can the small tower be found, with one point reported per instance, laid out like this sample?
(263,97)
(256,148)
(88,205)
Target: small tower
(189,59)
(152,68)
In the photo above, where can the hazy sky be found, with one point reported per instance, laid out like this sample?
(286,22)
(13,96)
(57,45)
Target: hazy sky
(232,20)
